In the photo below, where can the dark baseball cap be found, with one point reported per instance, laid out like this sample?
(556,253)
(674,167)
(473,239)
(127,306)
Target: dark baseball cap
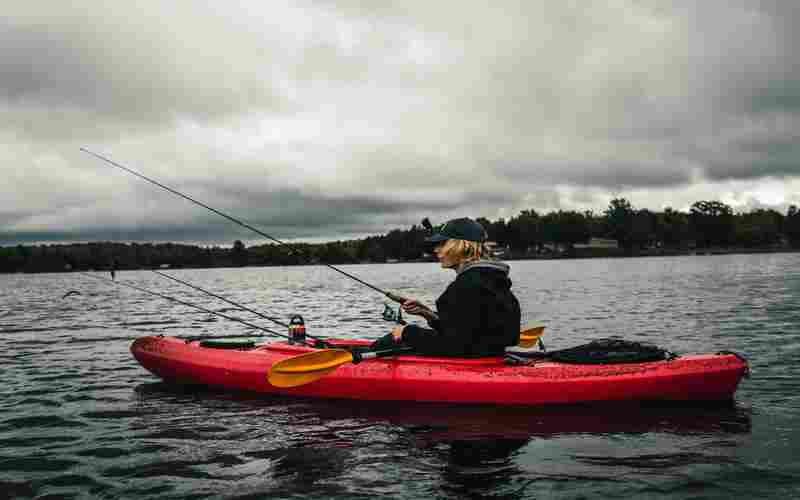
(459,229)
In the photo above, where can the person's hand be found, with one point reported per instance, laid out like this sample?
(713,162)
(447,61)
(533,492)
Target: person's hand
(397,333)
(415,307)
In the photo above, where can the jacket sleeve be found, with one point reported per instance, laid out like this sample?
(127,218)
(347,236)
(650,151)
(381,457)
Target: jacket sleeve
(460,310)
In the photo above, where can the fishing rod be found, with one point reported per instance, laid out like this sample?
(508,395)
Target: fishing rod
(240,306)
(201,308)
(294,249)
(290,326)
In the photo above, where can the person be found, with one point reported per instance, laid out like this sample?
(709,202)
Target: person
(477,315)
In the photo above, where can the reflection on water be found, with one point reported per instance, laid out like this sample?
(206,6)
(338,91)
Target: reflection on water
(471,449)
(80,419)
(464,422)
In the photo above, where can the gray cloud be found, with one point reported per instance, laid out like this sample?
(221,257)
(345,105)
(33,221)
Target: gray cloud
(81,68)
(343,117)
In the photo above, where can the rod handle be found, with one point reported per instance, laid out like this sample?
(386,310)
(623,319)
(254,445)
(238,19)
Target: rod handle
(397,298)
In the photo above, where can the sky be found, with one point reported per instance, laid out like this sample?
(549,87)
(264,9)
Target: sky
(339,119)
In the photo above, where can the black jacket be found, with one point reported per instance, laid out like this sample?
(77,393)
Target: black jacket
(478,315)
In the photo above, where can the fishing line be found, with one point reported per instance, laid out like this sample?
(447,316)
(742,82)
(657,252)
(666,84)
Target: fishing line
(200,308)
(293,249)
(240,306)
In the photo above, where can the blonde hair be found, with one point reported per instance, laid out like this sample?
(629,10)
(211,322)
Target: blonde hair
(465,251)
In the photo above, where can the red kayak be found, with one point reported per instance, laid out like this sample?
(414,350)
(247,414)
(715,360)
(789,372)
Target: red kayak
(491,380)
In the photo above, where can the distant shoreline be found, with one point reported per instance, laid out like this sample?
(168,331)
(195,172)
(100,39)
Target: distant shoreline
(577,253)
(619,253)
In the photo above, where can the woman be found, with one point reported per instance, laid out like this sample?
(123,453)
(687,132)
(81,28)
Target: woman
(477,315)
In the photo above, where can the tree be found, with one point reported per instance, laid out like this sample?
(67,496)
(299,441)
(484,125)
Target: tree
(487,225)
(673,228)
(371,250)
(12,259)
(333,253)
(643,229)
(498,231)
(711,223)
(406,245)
(791,226)
(525,230)
(619,221)
(598,227)
(758,228)
(239,253)
(566,229)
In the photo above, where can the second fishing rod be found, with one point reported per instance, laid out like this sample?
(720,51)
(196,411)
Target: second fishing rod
(296,325)
(294,249)
(296,334)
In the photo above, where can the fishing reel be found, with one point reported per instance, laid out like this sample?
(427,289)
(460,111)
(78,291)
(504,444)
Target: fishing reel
(297,330)
(395,316)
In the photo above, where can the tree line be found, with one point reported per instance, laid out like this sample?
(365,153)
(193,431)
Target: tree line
(707,226)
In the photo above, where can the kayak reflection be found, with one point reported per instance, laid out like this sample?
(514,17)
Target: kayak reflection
(443,422)
(300,446)
(457,422)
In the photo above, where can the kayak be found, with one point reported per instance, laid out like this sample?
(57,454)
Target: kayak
(489,380)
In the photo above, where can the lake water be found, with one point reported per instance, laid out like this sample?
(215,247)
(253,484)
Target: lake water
(80,419)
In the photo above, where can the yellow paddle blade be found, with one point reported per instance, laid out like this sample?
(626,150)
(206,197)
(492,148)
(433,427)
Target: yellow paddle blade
(285,380)
(530,335)
(313,361)
(305,368)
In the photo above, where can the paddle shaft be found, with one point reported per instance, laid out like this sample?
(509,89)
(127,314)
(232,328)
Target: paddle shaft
(311,366)
(292,248)
(358,357)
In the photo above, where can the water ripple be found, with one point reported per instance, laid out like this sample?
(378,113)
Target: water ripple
(80,419)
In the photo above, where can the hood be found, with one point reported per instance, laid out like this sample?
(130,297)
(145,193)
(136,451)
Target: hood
(486,265)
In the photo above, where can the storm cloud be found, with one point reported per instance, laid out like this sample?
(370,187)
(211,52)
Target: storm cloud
(340,118)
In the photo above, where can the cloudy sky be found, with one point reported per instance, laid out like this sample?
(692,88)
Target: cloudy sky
(331,120)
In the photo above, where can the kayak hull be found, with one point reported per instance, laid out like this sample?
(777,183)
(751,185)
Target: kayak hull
(698,377)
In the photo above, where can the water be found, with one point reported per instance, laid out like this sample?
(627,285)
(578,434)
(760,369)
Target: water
(80,419)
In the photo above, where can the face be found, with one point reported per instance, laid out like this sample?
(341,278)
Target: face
(447,261)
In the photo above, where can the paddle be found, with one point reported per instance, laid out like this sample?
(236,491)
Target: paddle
(306,368)
(311,366)
(530,336)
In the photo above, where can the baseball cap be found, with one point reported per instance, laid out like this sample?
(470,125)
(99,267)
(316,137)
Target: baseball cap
(459,229)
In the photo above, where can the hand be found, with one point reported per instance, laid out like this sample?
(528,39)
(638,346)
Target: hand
(397,334)
(412,306)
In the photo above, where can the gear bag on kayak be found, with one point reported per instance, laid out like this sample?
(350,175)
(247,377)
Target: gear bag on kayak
(603,351)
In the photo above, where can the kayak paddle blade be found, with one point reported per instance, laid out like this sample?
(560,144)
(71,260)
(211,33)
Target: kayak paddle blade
(529,336)
(308,367)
